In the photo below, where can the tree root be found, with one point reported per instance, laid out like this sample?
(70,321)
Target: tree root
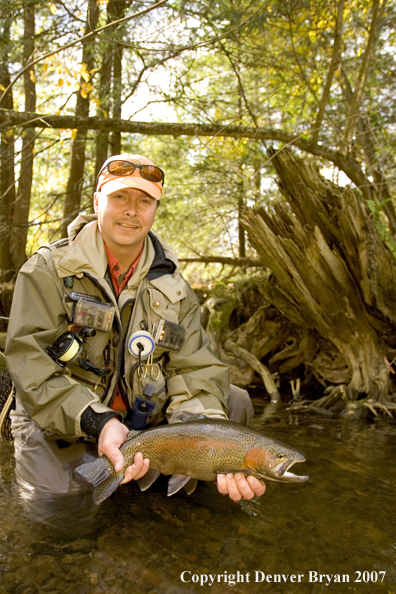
(255,364)
(385,407)
(337,401)
(336,396)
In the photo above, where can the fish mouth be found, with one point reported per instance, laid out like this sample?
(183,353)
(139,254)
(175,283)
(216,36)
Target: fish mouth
(281,472)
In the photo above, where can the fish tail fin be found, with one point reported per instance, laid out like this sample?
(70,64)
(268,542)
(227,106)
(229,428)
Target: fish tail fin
(107,487)
(95,472)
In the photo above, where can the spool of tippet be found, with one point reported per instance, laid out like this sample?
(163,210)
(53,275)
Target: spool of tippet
(141,342)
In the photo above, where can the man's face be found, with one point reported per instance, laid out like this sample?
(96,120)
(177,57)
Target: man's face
(124,217)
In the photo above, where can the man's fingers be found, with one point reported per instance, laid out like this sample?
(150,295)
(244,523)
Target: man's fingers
(233,490)
(117,459)
(222,484)
(243,486)
(257,486)
(138,469)
(237,486)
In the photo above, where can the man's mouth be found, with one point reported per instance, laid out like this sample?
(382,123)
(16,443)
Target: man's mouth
(129,225)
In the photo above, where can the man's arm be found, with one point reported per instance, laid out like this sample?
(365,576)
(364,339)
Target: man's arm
(53,399)
(198,382)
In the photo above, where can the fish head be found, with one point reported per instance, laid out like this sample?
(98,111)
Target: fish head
(272,460)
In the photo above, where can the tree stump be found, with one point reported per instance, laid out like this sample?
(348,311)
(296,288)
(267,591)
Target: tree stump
(331,271)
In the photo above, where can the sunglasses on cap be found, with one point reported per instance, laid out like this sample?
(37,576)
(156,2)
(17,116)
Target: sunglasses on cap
(119,167)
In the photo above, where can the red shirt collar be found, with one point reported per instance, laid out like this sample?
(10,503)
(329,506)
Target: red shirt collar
(115,270)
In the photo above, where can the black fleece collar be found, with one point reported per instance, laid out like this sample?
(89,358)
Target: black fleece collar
(161,265)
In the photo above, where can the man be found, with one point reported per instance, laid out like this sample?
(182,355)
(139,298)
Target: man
(77,373)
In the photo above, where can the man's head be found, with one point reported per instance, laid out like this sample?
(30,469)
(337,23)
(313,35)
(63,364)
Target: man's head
(132,171)
(128,192)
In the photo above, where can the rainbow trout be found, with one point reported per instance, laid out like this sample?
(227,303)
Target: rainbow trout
(196,448)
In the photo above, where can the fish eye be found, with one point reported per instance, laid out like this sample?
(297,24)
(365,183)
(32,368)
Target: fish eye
(280,456)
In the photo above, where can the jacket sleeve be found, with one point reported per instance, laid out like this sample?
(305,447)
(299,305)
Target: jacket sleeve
(49,395)
(198,382)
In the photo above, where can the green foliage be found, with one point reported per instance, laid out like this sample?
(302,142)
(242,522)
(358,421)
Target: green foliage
(231,62)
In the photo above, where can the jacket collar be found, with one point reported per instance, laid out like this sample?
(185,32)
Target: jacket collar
(86,253)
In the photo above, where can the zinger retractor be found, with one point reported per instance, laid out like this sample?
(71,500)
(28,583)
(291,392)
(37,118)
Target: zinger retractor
(141,344)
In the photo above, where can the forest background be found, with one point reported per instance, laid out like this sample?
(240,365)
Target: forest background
(215,93)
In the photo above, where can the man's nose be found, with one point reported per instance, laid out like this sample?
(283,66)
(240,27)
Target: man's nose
(130,207)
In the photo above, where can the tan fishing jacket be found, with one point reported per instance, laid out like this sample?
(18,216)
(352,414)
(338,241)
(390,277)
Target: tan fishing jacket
(55,397)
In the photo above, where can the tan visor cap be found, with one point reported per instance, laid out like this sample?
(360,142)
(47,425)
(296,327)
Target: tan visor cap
(113,183)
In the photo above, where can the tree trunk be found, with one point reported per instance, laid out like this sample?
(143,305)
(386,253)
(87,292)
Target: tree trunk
(117,10)
(76,175)
(22,203)
(7,179)
(333,274)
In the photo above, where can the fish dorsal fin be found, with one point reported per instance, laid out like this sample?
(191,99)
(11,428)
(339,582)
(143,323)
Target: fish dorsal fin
(148,479)
(176,482)
(132,433)
(184,416)
(191,486)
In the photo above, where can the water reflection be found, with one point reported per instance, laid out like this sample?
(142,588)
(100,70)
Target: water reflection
(341,522)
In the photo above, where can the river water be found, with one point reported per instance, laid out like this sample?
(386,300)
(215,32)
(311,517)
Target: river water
(342,523)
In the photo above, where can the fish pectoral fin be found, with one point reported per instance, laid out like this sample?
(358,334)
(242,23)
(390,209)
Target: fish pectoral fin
(176,482)
(191,486)
(185,416)
(148,479)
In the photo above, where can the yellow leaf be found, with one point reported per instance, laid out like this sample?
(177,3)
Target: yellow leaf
(84,72)
(74,133)
(60,82)
(45,67)
(87,87)
(32,77)
(52,8)
(106,115)
(2,88)
(84,93)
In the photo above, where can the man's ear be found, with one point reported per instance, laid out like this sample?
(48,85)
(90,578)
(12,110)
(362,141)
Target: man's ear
(95,201)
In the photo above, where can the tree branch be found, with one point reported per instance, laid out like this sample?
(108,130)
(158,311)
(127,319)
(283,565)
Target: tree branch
(10,119)
(243,262)
(363,73)
(330,75)
(85,38)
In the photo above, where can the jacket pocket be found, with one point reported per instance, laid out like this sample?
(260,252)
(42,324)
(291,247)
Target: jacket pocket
(162,307)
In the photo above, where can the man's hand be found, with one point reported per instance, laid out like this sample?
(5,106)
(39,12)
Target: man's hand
(238,487)
(112,436)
